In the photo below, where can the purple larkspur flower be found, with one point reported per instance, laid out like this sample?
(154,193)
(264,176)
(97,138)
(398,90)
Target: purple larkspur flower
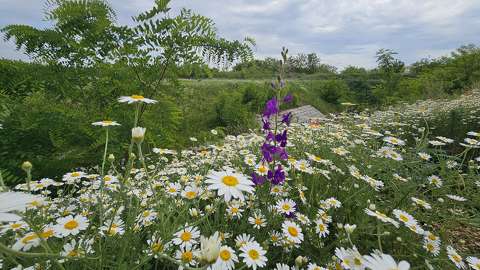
(271,108)
(278,175)
(288,98)
(258,179)
(266,124)
(282,138)
(286,118)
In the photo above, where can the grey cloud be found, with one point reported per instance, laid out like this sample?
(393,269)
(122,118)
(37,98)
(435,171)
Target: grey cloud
(342,32)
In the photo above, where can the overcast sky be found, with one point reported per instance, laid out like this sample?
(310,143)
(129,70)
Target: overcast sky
(342,32)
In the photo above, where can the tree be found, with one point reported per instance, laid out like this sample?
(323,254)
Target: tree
(90,61)
(391,70)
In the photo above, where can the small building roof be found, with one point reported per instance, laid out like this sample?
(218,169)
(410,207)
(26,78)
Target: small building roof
(304,114)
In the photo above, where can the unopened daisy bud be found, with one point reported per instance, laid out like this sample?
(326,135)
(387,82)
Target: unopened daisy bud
(209,248)
(372,207)
(138,134)
(300,261)
(133,156)
(387,233)
(26,166)
(340,225)
(399,239)
(111,158)
(350,228)
(441,200)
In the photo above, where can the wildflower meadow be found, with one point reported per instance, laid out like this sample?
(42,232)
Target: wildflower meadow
(355,191)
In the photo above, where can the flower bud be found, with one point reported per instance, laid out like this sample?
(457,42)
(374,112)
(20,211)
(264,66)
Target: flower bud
(111,158)
(209,248)
(27,166)
(350,228)
(138,134)
(300,260)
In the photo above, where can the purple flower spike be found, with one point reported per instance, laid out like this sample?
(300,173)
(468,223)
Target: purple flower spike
(288,98)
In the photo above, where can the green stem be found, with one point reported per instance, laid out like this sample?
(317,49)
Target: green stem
(29,178)
(105,153)
(2,184)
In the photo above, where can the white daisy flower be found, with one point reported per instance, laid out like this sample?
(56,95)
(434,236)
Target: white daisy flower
(285,206)
(26,242)
(186,237)
(384,262)
(230,184)
(70,225)
(134,99)
(281,266)
(15,202)
(292,232)
(314,266)
(226,259)
(106,123)
(321,228)
(474,262)
(393,140)
(424,156)
(422,203)
(351,258)
(243,239)
(455,258)
(456,198)
(253,255)
(435,180)
(257,220)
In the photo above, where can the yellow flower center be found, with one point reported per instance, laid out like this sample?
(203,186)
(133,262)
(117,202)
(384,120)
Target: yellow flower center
(403,218)
(357,261)
(29,238)
(107,178)
(15,225)
(191,194)
(47,233)
(72,224)
(137,97)
(457,258)
(262,169)
(157,247)
(230,181)
(234,210)
(286,207)
(253,254)
(293,231)
(107,122)
(146,213)
(186,236)
(187,256)
(225,255)
(172,190)
(72,253)
(258,221)
(429,247)
(321,227)
(75,174)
